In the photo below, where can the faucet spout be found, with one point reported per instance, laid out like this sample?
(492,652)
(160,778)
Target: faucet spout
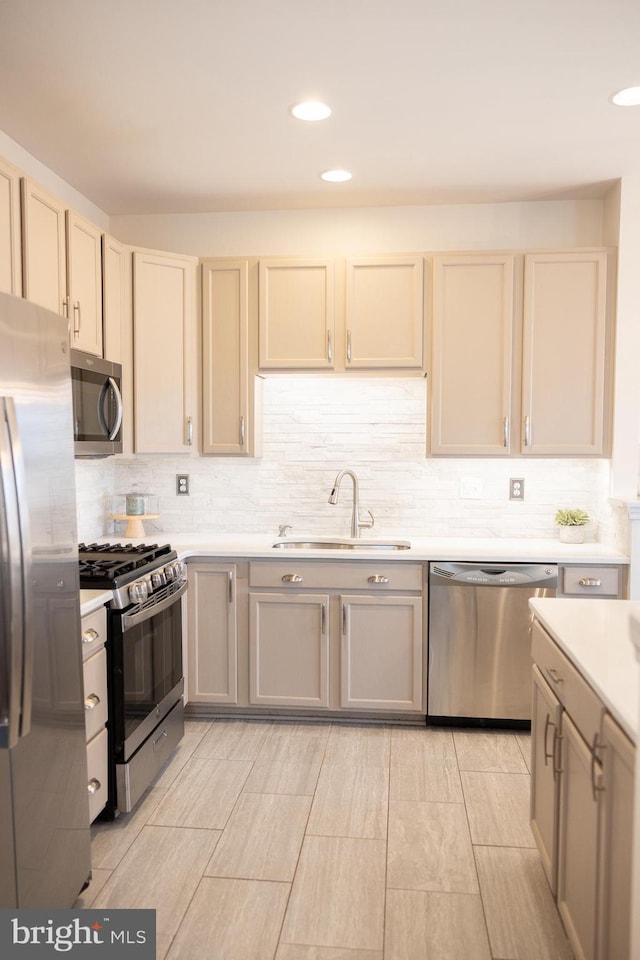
(356,522)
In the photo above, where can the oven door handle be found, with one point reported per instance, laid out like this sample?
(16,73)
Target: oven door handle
(133,619)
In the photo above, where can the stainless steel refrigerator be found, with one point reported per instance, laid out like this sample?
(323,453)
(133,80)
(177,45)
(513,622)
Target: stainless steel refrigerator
(44,809)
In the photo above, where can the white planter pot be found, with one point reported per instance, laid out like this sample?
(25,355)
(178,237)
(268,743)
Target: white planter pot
(570,534)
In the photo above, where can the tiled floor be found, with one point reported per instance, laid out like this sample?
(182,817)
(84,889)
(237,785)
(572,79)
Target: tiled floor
(284,841)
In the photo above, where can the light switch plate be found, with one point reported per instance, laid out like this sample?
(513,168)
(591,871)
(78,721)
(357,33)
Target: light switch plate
(516,488)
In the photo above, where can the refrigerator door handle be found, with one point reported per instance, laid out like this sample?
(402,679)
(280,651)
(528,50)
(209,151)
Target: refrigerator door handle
(16,633)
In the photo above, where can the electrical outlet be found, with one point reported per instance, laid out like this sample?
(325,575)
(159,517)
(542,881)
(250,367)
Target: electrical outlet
(470,488)
(182,484)
(516,488)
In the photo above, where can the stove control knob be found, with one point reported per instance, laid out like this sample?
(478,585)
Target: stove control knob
(180,569)
(168,572)
(138,591)
(158,579)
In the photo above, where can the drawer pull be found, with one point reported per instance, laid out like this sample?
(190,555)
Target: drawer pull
(589,582)
(596,788)
(548,723)
(161,737)
(377,578)
(292,578)
(90,635)
(555,676)
(92,701)
(93,786)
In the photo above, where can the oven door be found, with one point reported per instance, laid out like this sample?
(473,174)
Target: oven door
(146,669)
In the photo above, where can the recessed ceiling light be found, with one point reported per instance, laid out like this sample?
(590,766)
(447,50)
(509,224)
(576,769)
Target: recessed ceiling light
(336,176)
(311,110)
(629,97)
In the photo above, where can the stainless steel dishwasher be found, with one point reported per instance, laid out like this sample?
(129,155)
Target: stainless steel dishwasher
(479,639)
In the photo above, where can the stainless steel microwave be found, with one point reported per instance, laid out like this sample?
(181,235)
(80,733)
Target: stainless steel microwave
(97,405)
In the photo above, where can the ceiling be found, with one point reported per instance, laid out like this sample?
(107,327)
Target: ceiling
(153,106)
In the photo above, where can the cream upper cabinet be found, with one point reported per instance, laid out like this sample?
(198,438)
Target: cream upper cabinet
(564,383)
(113,298)
(296,314)
(384,312)
(10,259)
(164,346)
(231,414)
(44,246)
(84,283)
(472,355)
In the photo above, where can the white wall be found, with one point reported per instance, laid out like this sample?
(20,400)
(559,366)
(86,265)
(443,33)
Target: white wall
(314,427)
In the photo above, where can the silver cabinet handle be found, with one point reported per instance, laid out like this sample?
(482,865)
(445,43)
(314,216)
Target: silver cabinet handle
(596,788)
(230,581)
(329,347)
(65,306)
(527,431)
(76,313)
(189,440)
(92,701)
(292,578)
(90,635)
(242,431)
(348,346)
(94,785)
(547,725)
(161,737)
(323,620)
(344,619)
(590,582)
(377,578)
(555,676)
(505,432)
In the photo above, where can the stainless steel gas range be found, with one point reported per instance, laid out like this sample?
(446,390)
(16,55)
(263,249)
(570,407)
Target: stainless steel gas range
(144,660)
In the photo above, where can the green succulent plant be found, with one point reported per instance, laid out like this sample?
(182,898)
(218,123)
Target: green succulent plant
(572,518)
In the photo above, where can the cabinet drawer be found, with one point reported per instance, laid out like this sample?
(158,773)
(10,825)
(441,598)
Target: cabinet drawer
(580,701)
(591,581)
(95,692)
(97,773)
(325,575)
(94,632)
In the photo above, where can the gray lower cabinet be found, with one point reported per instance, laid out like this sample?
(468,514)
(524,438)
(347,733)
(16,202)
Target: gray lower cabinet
(581,804)
(212,610)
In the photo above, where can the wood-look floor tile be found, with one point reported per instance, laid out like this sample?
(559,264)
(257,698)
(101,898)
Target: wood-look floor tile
(441,926)
(233,740)
(160,871)
(262,838)
(98,880)
(283,776)
(498,808)
(203,795)
(424,765)
(337,899)
(521,916)
(296,951)
(488,752)
(110,840)
(231,920)
(359,744)
(350,801)
(429,848)
(194,731)
(524,742)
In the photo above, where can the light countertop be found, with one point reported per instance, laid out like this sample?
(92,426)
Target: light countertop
(90,600)
(596,635)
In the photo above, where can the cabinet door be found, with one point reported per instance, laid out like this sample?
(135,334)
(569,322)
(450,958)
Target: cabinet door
(296,314)
(213,633)
(564,354)
(10,261)
(84,283)
(545,730)
(163,324)
(385,313)
(472,355)
(228,418)
(113,307)
(381,666)
(577,842)
(44,264)
(616,828)
(289,650)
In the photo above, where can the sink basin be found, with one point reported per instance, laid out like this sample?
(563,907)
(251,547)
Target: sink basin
(292,543)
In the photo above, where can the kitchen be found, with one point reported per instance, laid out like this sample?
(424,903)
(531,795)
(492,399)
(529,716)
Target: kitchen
(378,426)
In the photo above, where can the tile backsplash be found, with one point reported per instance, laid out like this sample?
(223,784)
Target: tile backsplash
(316,426)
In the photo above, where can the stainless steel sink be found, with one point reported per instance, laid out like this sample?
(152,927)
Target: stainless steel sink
(292,543)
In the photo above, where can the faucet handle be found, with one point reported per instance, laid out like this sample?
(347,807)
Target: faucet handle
(367,523)
(282,529)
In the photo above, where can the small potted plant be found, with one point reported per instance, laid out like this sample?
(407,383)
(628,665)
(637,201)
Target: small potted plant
(572,524)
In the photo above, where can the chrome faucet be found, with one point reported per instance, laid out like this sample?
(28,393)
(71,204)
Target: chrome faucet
(356,522)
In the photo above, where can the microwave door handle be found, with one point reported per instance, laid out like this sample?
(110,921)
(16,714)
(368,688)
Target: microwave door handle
(117,396)
(100,410)
(16,629)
